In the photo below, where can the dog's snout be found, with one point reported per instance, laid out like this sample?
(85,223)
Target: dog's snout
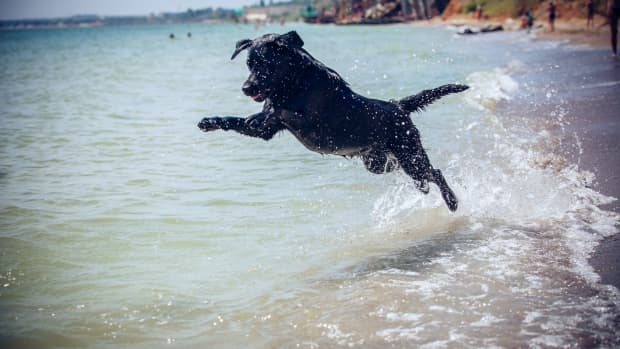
(247,87)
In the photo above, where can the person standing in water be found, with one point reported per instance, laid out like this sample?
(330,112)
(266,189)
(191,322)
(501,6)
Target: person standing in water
(613,13)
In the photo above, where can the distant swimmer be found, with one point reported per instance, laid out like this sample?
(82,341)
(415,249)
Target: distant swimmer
(189,35)
(171,36)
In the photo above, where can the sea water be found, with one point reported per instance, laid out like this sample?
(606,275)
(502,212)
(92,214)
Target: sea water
(123,225)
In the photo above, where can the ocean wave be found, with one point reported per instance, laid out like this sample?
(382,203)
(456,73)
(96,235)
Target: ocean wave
(489,87)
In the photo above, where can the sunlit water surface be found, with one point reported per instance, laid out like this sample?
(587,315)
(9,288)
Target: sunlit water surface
(123,225)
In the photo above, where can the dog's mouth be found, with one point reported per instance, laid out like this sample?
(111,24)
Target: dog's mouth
(258,97)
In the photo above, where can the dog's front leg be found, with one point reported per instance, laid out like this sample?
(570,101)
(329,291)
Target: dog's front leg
(259,125)
(221,123)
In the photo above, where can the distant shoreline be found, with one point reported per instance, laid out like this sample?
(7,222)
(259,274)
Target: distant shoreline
(205,15)
(87,26)
(573,30)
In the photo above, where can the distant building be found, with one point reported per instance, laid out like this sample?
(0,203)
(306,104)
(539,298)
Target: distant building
(255,14)
(269,13)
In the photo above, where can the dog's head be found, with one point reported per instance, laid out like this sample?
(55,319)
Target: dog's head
(275,62)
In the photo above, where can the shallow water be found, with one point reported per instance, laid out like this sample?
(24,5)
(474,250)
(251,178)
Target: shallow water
(123,225)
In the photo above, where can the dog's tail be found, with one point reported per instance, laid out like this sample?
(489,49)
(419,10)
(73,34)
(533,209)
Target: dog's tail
(419,101)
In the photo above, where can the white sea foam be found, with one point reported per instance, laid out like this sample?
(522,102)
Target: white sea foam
(489,87)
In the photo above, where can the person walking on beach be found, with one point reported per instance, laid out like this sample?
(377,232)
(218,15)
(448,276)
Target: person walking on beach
(551,9)
(590,9)
(613,13)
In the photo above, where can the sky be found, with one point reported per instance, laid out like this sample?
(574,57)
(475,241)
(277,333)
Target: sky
(20,9)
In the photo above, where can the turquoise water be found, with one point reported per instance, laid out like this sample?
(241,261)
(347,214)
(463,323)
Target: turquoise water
(123,225)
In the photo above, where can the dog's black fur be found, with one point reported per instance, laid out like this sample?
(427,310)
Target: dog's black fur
(317,106)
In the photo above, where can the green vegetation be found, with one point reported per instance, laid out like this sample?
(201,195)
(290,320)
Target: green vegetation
(498,8)
(471,7)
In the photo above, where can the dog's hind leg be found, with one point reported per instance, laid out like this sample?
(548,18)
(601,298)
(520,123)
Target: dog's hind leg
(422,175)
(414,161)
(378,161)
(446,192)
(418,168)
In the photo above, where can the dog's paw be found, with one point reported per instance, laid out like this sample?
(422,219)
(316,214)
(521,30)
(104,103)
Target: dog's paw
(422,186)
(209,124)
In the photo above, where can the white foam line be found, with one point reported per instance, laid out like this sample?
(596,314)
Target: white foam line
(601,84)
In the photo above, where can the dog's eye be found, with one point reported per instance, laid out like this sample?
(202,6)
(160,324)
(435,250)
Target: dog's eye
(260,66)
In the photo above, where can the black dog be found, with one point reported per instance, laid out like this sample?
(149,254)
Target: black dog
(317,106)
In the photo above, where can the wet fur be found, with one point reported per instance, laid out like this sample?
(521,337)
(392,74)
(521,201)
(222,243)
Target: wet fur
(317,106)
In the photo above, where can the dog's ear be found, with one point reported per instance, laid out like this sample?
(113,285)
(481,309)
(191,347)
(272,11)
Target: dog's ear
(291,39)
(241,45)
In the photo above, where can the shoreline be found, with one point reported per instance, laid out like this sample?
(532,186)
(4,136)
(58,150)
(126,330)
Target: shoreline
(589,138)
(590,142)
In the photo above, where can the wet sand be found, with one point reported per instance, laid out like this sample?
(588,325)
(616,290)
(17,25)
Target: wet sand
(595,119)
